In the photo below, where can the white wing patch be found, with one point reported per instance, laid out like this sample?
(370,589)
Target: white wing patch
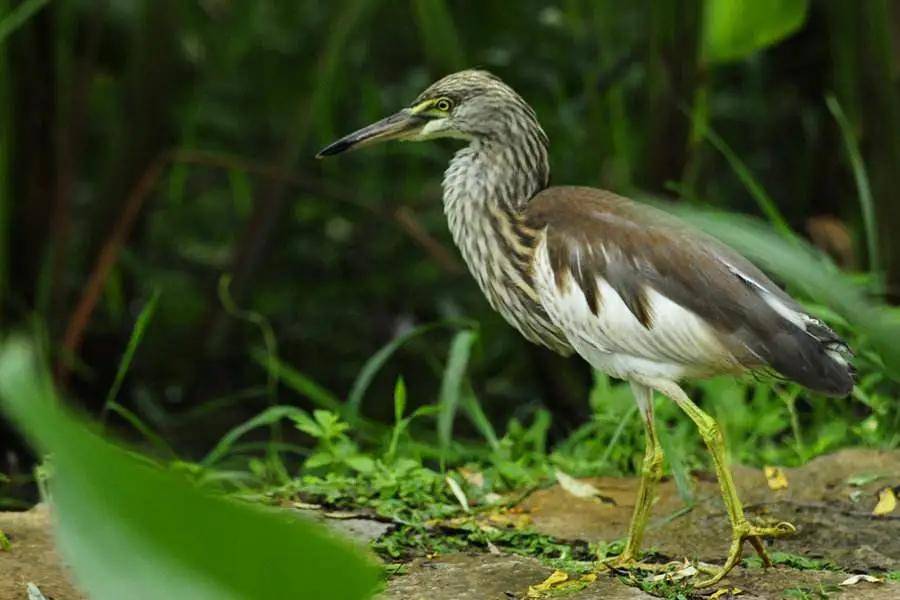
(800,319)
(678,344)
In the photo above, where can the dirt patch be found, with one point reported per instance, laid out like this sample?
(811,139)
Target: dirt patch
(829,500)
(32,558)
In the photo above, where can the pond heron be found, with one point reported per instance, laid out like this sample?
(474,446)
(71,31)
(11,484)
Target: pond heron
(637,293)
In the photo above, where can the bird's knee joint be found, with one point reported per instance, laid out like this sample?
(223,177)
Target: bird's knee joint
(653,463)
(711,432)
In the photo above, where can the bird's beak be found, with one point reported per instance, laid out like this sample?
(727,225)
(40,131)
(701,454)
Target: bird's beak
(401,125)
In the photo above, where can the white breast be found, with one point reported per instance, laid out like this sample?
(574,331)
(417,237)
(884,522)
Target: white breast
(678,344)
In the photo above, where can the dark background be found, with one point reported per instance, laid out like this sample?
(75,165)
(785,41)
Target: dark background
(156,145)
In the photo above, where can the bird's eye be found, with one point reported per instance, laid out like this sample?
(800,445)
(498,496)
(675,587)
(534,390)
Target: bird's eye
(443,105)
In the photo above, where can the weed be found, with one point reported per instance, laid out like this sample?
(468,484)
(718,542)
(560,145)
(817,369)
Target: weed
(792,560)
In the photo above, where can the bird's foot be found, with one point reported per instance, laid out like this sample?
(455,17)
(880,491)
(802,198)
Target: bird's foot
(629,563)
(745,531)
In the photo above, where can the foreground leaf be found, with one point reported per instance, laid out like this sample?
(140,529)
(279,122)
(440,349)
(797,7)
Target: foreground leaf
(130,530)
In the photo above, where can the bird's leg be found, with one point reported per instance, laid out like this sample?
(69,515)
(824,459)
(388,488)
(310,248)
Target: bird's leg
(741,528)
(651,472)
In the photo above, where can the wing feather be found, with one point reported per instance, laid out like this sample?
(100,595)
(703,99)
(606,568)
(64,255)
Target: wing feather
(623,278)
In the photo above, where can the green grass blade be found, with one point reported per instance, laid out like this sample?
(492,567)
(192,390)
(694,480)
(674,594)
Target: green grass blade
(438,32)
(137,334)
(675,455)
(864,191)
(297,381)
(270,416)
(261,323)
(452,382)
(374,364)
(754,187)
(131,530)
(472,407)
(19,16)
(142,428)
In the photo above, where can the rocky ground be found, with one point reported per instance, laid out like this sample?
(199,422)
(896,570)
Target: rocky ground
(830,501)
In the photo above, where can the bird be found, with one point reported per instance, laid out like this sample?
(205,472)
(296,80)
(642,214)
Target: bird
(633,290)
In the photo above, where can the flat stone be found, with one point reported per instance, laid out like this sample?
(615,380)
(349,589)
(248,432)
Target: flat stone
(489,577)
(356,527)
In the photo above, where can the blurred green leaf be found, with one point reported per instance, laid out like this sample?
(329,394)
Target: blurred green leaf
(137,334)
(451,384)
(863,189)
(130,530)
(19,16)
(734,29)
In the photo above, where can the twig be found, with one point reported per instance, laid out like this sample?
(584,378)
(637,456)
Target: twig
(106,259)
(404,219)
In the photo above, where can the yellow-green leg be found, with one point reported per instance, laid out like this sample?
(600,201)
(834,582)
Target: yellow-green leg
(651,472)
(741,528)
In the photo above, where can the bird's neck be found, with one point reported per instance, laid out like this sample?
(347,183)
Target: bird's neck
(491,174)
(488,181)
(486,188)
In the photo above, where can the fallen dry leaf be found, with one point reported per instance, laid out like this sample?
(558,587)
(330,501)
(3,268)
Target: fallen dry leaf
(776,478)
(579,489)
(458,493)
(854,579)
(473,478)
(555,578)
(887,502)
(683,573)
(559,582)
(726,591)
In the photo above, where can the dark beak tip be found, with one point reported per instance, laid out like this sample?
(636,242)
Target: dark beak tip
(332,149)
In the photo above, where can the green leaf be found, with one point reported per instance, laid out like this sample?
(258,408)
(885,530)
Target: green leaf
(360,463)
(131,530)
(399,399)
(451,384)
(306,424)
(269,416)
(296,380)
(863,189)
(734,29)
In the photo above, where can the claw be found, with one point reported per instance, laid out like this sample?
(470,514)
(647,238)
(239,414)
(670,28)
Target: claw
(753,534)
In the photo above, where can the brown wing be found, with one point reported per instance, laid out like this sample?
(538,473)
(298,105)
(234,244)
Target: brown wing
(595,236)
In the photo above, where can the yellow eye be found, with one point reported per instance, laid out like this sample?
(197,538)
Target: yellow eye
(443,105)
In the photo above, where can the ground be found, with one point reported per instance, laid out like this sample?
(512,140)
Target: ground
(830,500)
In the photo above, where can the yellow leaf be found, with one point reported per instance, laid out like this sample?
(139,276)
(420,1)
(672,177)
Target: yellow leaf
(887,502)
(776,478)
(556,578)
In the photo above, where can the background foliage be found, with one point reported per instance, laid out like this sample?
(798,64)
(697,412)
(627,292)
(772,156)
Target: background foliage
(149,147)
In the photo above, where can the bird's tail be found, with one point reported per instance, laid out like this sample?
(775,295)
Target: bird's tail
(813,355)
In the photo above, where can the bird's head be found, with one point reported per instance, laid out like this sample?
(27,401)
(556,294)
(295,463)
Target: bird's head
(470,105)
